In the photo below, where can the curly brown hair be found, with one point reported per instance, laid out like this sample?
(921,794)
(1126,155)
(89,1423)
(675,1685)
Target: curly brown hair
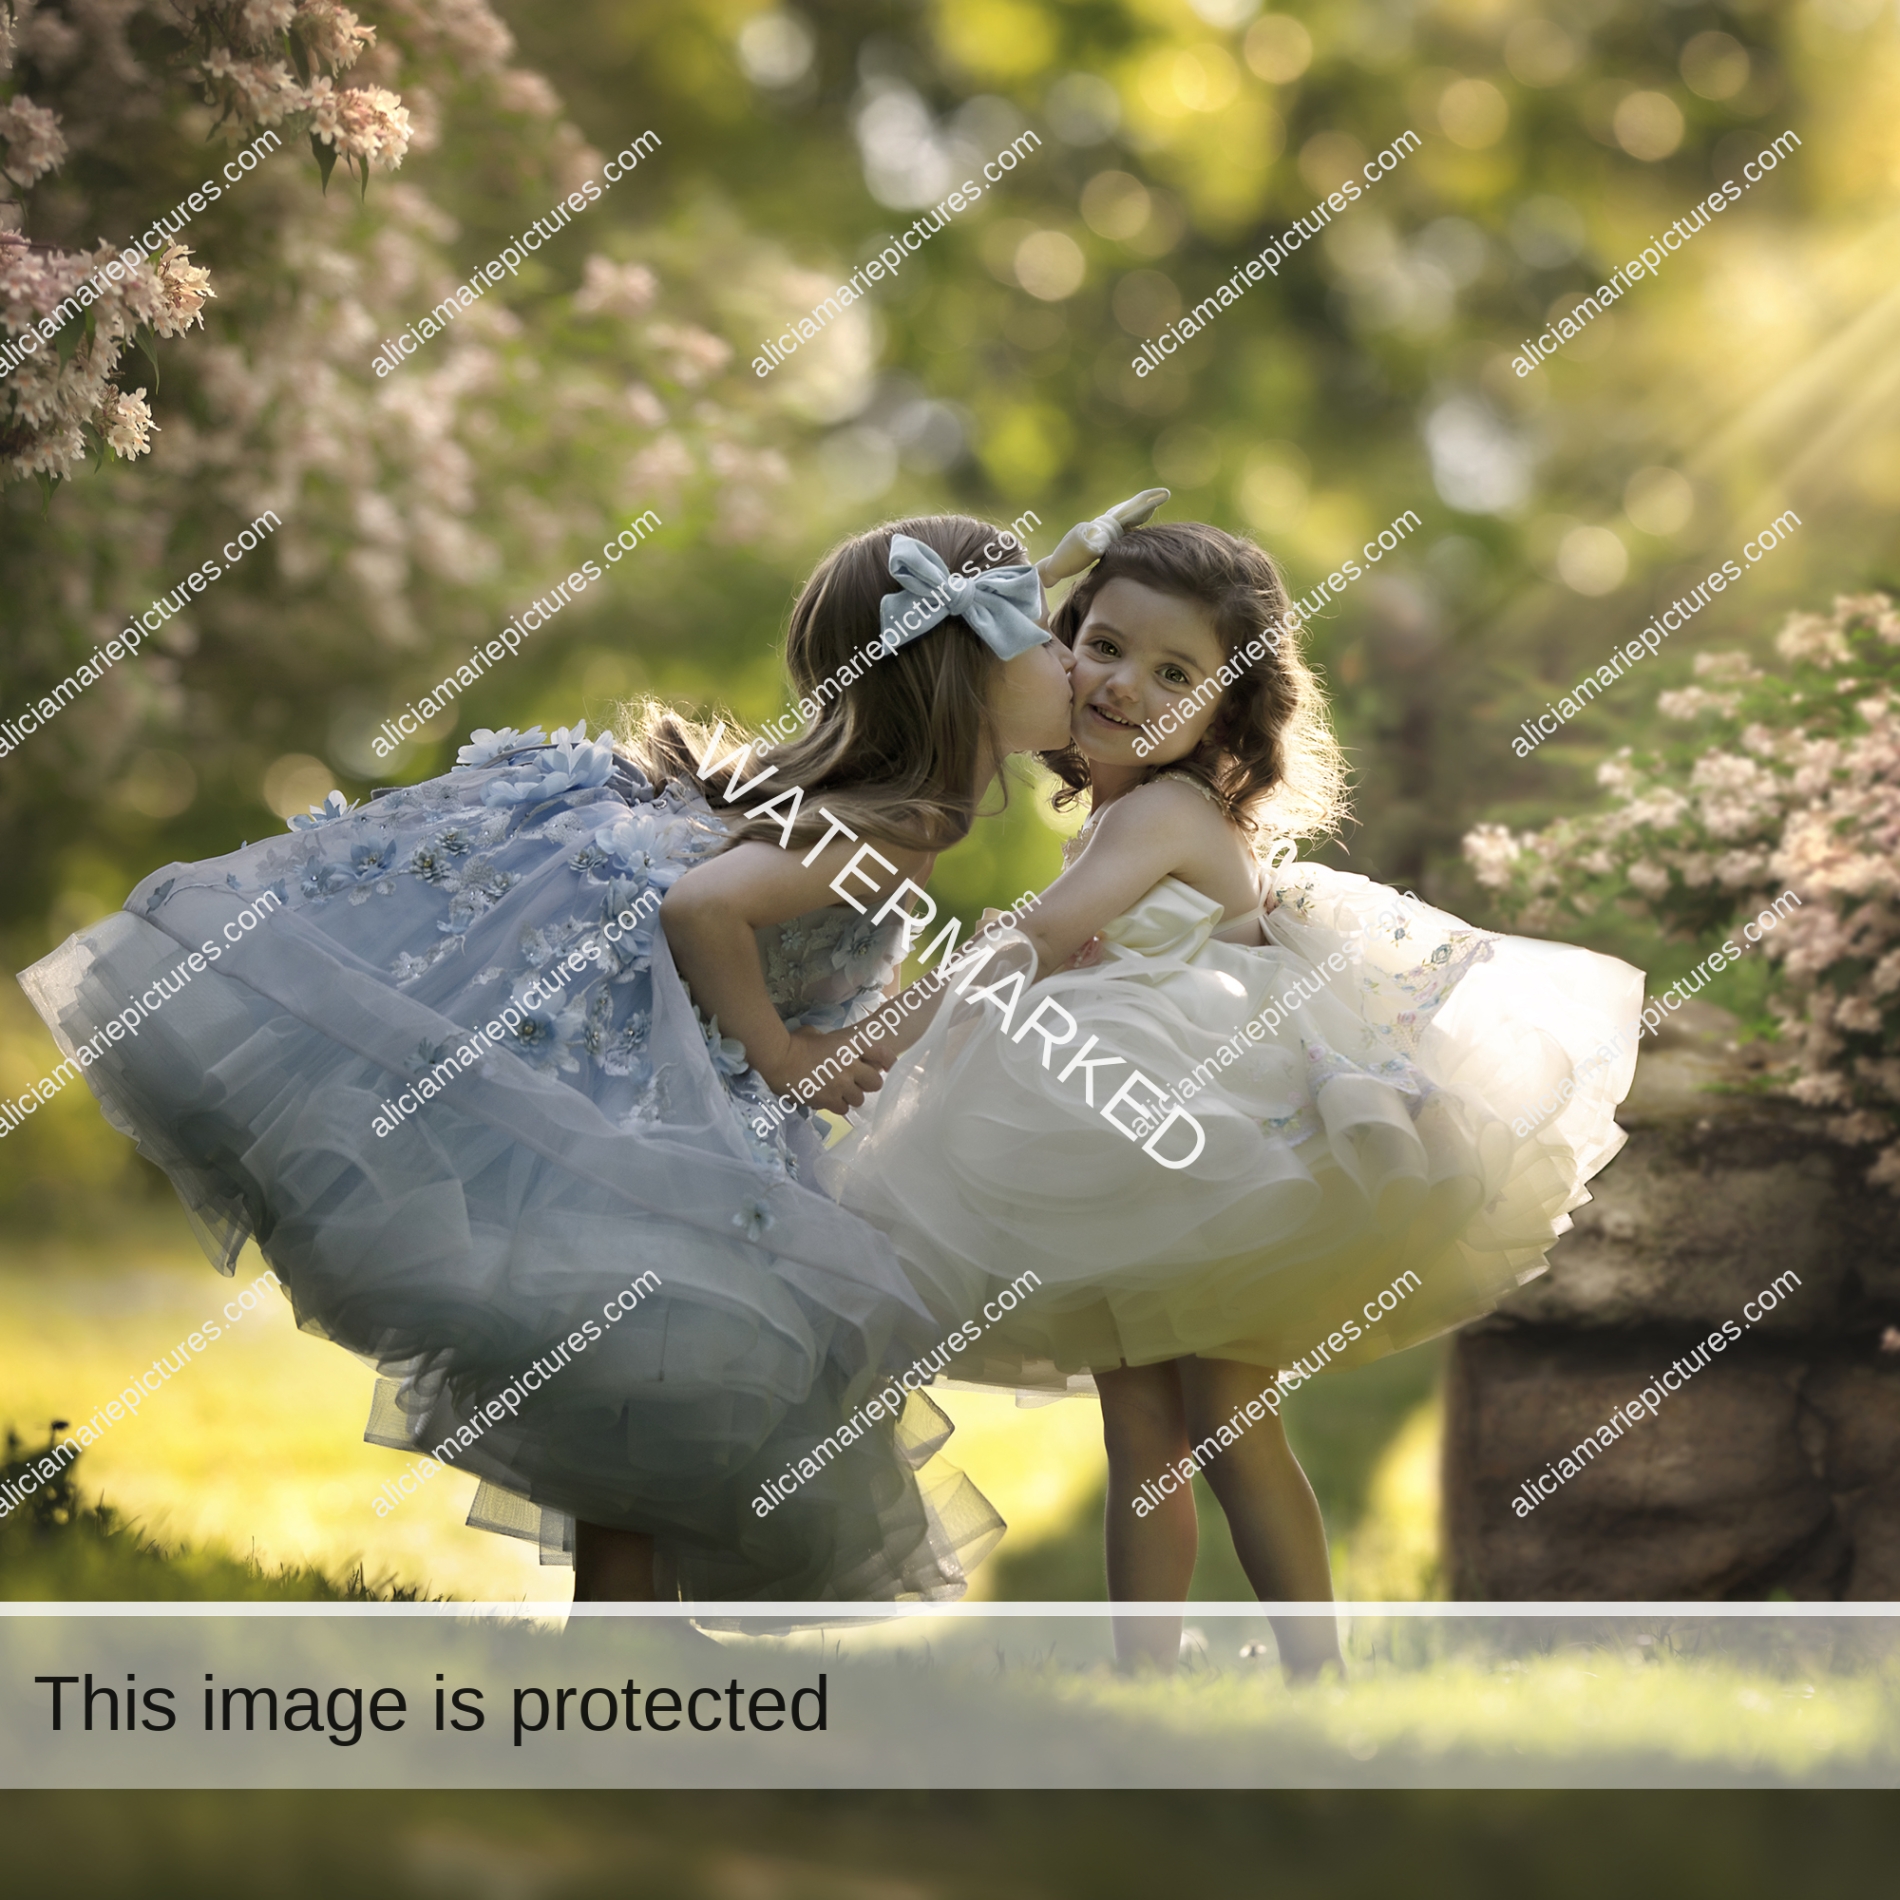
(1268,755)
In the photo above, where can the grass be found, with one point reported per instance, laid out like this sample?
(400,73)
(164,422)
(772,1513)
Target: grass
(949,1845)
(1593,1712)
(256,1447)
(1424,1702)
(59,1548)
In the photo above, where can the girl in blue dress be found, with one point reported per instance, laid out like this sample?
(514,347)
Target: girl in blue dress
(482,1071)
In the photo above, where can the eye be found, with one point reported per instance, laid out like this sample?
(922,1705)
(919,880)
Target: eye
(1173,676)
(1105,647)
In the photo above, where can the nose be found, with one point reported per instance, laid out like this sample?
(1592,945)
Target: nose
(1066,654)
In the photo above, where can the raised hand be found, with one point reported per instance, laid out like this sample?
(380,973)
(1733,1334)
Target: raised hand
(1088,541)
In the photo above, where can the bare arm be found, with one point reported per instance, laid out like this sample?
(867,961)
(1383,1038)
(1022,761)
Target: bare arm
(709,917)
(1156,831)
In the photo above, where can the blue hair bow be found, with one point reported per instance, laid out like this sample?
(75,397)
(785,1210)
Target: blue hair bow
(999,605)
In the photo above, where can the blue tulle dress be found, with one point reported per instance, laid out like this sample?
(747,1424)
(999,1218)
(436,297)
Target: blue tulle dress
(609,1133)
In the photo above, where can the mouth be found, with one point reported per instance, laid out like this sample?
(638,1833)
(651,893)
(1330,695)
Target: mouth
(1109,719)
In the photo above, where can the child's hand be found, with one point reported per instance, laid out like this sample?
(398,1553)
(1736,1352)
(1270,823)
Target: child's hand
(1088,541)
(1082,958)
(857,1071)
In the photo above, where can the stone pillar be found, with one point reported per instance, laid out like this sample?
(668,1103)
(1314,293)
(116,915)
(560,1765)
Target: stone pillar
(1775,1468)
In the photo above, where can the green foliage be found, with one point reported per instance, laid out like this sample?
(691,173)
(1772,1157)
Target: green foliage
(1304,413)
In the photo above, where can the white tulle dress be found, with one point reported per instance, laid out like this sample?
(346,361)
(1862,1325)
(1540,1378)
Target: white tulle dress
(1376,1166)
(609,1134)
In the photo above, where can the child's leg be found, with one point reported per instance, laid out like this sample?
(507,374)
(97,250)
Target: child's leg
(1150,1557)
(612,1566)
(1270,1508)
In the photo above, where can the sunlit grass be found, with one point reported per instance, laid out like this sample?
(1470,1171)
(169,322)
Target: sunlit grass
(256,1447)
(1582,1703)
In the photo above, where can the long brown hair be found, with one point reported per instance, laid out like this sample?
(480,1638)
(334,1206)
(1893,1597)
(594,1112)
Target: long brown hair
(1268,755)
(897,752)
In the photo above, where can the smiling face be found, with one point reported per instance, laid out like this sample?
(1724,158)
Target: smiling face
(1139,652)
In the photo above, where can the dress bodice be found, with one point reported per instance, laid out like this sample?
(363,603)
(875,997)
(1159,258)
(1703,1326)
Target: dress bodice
(1173,919)
(827,968)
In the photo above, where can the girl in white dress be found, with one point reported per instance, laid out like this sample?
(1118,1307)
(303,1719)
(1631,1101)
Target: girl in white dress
(1242,1117)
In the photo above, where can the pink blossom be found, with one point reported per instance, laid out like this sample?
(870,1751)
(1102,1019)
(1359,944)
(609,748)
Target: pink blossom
(660,469)
(1812,637)
(125,420)
(695,353)
(1490,850)
(471,33)
(617,290)
(364,123)
(263,22)
(1692,702)
(183,288)
(265,92)
(644,406)
(34,142)
(523,91)
(1783,804)
(333,33)
(1861,1015)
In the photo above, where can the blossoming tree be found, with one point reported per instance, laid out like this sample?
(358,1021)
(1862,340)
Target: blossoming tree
(415,507)
(1785,780)
(69,315)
